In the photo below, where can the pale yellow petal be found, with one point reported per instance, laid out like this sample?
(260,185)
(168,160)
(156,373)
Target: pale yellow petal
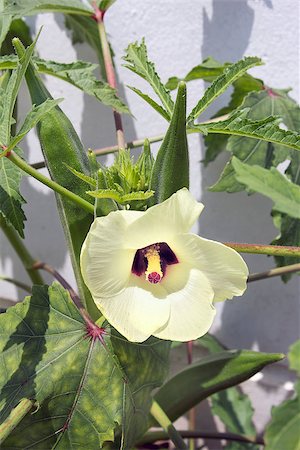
(138,311)
(224,267)
(163,221)
(105,259)
(190,296)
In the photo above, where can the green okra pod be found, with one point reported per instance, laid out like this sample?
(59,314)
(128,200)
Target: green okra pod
(171,168)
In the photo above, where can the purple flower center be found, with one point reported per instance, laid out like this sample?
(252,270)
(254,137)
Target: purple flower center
(152,261)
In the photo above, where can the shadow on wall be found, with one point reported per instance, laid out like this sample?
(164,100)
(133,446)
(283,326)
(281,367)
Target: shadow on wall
(97,126)
(260,317)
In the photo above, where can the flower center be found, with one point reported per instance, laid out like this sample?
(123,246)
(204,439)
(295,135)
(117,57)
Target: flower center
(152,261)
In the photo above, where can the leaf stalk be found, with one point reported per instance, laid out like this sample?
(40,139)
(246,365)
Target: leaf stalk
(164,421)
(261,249)
(13,157)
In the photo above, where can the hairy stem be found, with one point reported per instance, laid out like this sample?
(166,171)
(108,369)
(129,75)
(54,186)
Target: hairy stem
(15,418)
(278,271)
(21,250)
(164,421)
(74,296)
(153,436)
(272,250)
(50,183)
(192,411)
(110,71)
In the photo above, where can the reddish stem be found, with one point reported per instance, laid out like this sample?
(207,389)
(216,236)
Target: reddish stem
(93,331)
(109,69)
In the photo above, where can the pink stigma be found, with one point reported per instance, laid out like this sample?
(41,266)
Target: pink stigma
(154,277)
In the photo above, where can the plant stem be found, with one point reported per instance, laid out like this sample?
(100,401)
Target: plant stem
(94,330)
(110,71)
(153,436)
(50,183)
(15,418)
(17,283)
(274,272)
(21,250)
(164,421)
(192,411)
(132,144)
(272,250)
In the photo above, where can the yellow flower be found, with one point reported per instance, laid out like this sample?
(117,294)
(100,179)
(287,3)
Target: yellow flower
(149,276)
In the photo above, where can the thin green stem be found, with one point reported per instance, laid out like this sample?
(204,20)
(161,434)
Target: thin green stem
(15,418)
(272,250)
(17,283)
(153,436)
(132,144)
(110,71)
(278,271)
(50,183)
(192,411)
(21,250)
(164,421)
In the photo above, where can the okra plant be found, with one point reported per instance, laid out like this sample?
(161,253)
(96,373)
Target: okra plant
(86,366)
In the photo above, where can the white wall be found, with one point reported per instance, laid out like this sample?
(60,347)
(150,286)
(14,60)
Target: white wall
(179,35)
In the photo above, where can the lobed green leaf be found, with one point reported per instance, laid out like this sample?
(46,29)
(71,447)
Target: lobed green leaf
(267,129)
(80,74)
(137,61)
(220,84)
(19,8)
(11,200)
(32,118)
(85,390)
(152,103)
(272,184)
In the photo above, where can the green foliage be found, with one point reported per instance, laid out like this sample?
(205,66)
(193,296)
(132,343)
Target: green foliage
(9,95)
(261,104)
(231,406)
(216,143)
(5,22)
(171,168)
(32,118)
(119,198)
(80,74)
(137,61)
(294,357)
(19,8)
(60,144)
(105,4)
(209,375)
(267,129)
(236,411)
(282,431)
(152,103)
(272,184)
(128,182)
(220,84)
(86,391)
(86,30)
(11,200)
(208,70)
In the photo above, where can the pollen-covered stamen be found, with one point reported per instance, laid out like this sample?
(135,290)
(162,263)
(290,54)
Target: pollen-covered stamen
(152,261)
(154,271)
